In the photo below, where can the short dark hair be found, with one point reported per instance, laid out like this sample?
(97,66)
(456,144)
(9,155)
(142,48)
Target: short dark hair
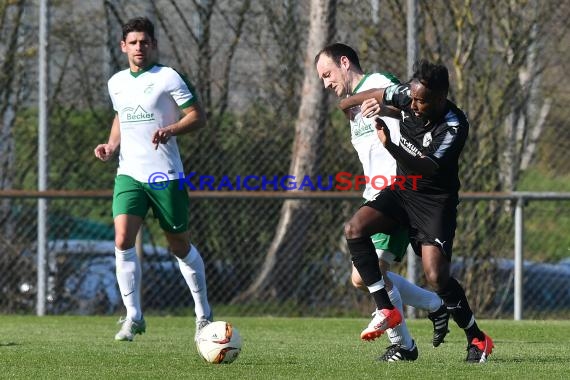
(434,76)
(139,24)
(336,51)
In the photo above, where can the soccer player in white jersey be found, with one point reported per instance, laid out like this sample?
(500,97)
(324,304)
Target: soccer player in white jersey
(339,68)
(153,104)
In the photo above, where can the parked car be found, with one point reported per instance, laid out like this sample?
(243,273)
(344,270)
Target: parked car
(546,287)
(81,278)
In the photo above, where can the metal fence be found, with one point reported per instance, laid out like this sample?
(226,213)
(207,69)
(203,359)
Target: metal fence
(247,62)
(315,280)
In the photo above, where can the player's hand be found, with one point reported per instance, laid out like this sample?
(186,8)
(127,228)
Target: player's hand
(370,107)
(382,131)
(161,136)
(104,151)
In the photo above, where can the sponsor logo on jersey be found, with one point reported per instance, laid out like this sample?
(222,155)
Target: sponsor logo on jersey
(136,115)
(409,147)
(148,88)
(427,139)
(361,126)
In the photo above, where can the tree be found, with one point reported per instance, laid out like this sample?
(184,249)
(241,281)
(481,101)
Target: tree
(13,84)
(283,259)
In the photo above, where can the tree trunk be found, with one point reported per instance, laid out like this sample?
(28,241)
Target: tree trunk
(279,273)
(11,94)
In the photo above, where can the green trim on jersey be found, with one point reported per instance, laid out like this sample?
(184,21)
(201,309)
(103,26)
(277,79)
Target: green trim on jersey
(188,103)
(387,74)
(360,83)
(390,76)
(140,72)
(184,79)
(191,88)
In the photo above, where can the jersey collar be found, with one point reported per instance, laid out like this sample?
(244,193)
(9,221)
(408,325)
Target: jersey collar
(360,83)
(143,70)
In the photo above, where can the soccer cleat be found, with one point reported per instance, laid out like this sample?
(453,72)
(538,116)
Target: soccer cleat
(396,353)
(440,320)
(201,323)
(383,319)
(130,328)
(479,350)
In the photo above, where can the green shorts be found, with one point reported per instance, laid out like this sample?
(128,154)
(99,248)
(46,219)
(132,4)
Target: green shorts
(396,244)
(170,205)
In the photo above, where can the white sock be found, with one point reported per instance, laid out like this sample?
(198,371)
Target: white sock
(192,268)
(415,296)
(399,334)
(128,270)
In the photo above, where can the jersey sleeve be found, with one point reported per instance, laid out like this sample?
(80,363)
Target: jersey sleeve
(112,92)
(446,147)
(182,90)
(398,96)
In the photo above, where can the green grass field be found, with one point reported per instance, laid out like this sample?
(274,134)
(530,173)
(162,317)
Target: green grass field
(274,348)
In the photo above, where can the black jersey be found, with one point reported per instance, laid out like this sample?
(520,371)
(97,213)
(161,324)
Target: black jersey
(441,142)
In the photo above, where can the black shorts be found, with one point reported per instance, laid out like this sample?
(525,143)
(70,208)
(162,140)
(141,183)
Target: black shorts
(430,218)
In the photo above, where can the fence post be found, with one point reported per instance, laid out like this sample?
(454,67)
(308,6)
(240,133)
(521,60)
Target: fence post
(42,157)
(519,227)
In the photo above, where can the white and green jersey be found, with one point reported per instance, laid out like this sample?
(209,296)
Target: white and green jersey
(375,159)
(145,101)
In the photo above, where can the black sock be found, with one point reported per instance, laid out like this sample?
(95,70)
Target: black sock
(474,332)
(365,261)
(454,298)
(382,299)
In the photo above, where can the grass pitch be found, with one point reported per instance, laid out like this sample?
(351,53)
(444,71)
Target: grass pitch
(65,347)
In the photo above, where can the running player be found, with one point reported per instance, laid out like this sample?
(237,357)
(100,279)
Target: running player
(153,104)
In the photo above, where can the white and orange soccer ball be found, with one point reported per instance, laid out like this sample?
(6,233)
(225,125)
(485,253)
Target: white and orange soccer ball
(219,342)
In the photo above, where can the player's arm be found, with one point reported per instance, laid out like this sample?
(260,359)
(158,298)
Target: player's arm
(193,118)
(420,164)
(371,104)
(357,99)
(106,151)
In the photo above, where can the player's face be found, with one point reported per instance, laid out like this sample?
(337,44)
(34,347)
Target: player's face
(426,104)
(334,77)
(139,48)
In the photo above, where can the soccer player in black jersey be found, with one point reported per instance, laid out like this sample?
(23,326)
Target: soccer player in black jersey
(433,133)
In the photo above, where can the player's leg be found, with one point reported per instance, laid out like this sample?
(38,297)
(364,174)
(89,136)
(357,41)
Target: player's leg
(367,221)
(432,225)
(414,295)
(129,208)
(437,271)
(396,247)
(423,299)
(393,248)
(402,345)
(171,207)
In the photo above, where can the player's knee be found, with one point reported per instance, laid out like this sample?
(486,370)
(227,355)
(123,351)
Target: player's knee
(357,281)
(122,242)
(436,280)
(353,229)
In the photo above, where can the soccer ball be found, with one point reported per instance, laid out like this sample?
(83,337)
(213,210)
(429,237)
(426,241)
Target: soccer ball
(219,342)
